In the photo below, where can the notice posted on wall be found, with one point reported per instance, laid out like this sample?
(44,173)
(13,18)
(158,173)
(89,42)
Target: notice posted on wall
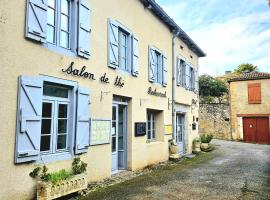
(100,131)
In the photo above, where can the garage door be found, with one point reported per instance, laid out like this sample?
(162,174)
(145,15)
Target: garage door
(256,130)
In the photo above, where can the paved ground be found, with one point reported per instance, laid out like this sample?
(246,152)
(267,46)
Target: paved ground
(233,171)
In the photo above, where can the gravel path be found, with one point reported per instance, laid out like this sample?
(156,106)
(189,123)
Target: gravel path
(233,171)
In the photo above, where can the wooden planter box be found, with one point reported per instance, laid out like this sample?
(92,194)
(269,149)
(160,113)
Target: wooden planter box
(47,191)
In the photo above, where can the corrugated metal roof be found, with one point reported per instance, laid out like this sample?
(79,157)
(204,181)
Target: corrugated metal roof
(250,76)
(162,15)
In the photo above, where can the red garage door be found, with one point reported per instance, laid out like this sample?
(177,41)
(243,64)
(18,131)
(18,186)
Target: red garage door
(256,130)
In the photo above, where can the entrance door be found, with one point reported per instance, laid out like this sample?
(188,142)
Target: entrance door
(256,130)
(180,132)
(119,137)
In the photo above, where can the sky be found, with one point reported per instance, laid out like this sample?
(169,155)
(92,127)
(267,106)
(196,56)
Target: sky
(230,32)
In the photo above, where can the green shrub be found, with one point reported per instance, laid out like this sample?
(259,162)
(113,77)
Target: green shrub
(197,139)
(206,138)
(56,177)
(78,166)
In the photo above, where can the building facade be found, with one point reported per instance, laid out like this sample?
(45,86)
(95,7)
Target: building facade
(92,79)
(250,107)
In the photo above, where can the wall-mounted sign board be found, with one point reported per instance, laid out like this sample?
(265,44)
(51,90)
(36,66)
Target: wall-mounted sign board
(168,129)
(100,131)
(140,129)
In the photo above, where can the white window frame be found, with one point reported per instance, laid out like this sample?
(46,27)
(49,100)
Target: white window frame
(68,153)
(73,26)
(152,135)
(124,30)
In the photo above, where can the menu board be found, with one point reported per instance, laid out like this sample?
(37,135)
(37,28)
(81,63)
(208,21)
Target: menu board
(140,129)
(100,131)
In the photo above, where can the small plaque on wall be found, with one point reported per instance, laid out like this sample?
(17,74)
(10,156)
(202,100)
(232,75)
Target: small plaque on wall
(100,131)
(194,126)
(140,129)
(168,129)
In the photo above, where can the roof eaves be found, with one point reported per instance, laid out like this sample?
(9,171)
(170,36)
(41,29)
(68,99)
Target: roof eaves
(158,11)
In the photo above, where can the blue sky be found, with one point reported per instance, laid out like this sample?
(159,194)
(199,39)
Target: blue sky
(231,32)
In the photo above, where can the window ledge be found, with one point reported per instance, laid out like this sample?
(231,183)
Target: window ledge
(48,158)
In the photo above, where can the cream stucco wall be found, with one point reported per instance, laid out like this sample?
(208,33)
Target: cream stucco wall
(20,56)
(240,105)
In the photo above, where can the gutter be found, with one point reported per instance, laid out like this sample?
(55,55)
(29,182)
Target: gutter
(175,35)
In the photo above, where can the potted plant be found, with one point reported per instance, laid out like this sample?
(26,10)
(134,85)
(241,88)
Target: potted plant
(174,149)
(205,140)
(57,184)
(197,145)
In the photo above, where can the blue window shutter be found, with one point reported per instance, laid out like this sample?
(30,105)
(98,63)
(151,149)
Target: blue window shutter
(179,69)
(113,43)
(36,20)
(165,71)
(84,29)
(135,56)
(28,119)
(82,141)
(152,64)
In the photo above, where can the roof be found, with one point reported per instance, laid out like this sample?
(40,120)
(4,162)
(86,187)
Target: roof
(250,76)
(164,17)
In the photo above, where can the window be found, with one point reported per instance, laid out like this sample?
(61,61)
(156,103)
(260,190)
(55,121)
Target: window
(181,73)
(151,126)
(60,25)
(123,48)
(158,68)
(55,117)
(123,51)
(254,93)
(188,77)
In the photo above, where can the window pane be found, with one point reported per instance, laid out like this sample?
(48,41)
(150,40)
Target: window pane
(62,113)
(62,126)
(46,126)
(64,39)
(154,134)
(51,17)
(64,23)
(45,143)
(120,143)
(113,144)
(65,6)
(62,142)
(46,110)
(55,91)
(51,3)
(50,34)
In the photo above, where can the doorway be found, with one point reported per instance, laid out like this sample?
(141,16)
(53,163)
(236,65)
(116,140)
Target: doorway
(256,130)
(180,132)
(119,137)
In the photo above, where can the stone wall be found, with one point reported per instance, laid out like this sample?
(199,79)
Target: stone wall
(215,119)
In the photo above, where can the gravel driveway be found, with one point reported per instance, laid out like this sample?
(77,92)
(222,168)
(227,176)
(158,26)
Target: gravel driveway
(233,171)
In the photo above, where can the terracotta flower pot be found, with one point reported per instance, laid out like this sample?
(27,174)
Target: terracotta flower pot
(174,149)
(204,146)
(197,146)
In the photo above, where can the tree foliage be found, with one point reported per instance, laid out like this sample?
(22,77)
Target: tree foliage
(246,67)
(211,88)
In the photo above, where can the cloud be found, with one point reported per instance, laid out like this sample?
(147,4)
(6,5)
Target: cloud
(231,33)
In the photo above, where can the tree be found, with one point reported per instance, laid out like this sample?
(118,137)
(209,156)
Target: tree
(211,88)
(246,67)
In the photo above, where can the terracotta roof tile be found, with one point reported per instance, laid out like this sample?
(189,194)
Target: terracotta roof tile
(249,76)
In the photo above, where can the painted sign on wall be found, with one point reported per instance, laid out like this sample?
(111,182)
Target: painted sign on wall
(100,131)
